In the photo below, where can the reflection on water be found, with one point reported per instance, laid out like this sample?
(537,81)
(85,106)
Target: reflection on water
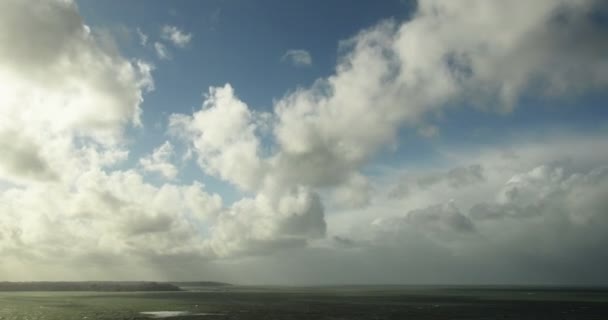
(170,314)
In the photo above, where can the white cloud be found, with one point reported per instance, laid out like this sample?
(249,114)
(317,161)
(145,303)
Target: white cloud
(65,104)
(160,161)
(392,76)
(61,85)
(297,57)
(223,133)
(394,73)
(486,185)
(266,223)
(143,38)
(550,190)
(161,51)
(176,36)
(115,214)
(67,99)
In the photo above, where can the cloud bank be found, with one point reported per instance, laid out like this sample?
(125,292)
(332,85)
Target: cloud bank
(486,217)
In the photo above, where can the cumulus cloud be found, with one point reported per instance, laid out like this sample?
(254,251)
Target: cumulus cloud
(176,36)
(550,216)
(61,85)
(438,220)
(66,100)
(266,223)
(160,161)
(223,133)
(114,214)
(297,57)
(22,158)
(549,190)
(539,207)
(390,76)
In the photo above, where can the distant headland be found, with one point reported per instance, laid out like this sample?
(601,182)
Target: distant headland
(104,286)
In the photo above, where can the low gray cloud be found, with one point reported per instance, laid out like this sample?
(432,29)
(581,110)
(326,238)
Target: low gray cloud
(455,177)
(21,158)
(548,190)
(484,211)
(401,190)
(139,225)
(443,217)
(266,223)
(440,220)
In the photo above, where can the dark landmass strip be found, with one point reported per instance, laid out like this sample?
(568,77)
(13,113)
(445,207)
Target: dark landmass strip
(200,284)
(106,286)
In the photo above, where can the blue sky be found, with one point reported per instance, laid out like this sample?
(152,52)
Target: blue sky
(235,42)
(220,139)
(242,43)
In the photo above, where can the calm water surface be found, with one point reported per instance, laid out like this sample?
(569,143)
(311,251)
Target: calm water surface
(313,303)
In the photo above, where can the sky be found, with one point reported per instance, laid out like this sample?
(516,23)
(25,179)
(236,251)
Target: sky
(305,142)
